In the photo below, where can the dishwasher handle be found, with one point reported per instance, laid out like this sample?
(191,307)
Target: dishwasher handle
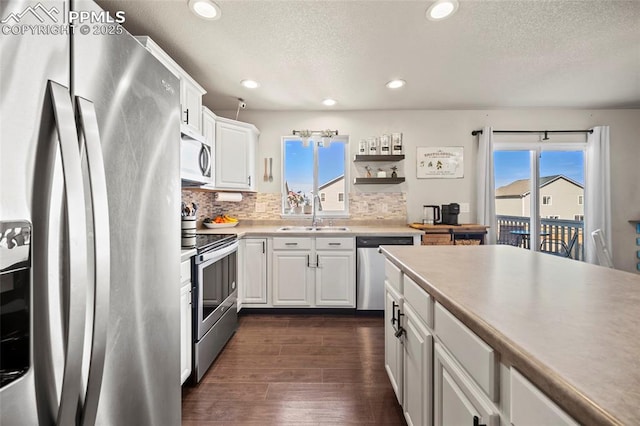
(375,242)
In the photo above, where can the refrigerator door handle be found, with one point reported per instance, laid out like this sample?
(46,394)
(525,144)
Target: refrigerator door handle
(102,256)
(77,252)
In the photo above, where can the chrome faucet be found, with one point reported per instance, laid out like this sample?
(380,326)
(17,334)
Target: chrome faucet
(317,206)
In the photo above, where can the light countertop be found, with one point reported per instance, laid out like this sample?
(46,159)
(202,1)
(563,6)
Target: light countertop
(571,328)
(185,254)
(272,231)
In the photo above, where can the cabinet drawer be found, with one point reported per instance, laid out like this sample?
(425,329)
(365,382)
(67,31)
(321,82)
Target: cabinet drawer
(292,243)
(475,356)
(419,300)
(185,271)
(393,275)
(529,406)
(437,240)
(334,243)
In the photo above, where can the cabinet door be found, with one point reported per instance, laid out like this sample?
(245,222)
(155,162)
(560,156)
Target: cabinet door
(530,407)
(292,278)
(191,100)
(185,332)
(457,399)
(209,127)
(233,145)
(335,278)
(254,283)
(417,370)
(392,345)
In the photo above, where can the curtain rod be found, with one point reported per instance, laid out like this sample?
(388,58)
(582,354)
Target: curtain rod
(479,132)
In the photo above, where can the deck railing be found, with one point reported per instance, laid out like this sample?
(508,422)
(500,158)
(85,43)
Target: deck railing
(557,229)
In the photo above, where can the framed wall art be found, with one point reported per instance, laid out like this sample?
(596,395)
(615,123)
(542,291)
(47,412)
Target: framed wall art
(440,162)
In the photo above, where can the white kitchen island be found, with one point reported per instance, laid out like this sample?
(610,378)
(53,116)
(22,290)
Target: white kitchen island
(570,329)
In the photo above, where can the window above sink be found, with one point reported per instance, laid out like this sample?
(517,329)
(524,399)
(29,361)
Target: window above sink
(315,165)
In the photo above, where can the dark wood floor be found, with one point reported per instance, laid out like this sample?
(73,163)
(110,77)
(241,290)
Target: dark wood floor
(297,370)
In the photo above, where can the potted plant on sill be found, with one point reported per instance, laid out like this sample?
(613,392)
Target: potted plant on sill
(295,200)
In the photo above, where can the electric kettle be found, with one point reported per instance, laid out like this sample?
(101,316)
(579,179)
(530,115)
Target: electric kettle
(430,214)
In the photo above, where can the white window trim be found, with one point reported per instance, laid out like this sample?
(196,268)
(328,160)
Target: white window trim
(327,215)
(535,149)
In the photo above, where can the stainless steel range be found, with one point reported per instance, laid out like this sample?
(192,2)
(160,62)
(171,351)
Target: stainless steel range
(215,295)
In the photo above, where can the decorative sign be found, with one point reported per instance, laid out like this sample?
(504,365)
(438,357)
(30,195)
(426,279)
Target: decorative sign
(440,162)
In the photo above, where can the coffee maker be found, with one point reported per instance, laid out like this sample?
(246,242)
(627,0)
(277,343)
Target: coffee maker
(450,213)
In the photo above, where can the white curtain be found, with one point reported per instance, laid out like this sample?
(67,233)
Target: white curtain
(597,196)
(486,191)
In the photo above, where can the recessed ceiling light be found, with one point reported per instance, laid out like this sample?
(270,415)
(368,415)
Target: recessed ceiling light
(395,84)
(329,102)
(442,9)
(250,84)
(205,9)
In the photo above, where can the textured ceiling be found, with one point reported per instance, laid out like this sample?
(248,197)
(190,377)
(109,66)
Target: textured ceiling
(490,54)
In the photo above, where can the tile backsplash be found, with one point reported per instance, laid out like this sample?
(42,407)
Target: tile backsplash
(267,206)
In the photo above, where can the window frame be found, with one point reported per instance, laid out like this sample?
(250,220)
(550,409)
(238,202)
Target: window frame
(535,150)
(315,140)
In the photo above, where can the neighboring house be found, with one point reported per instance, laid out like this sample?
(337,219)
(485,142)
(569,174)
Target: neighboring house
(332,194)
(560,198)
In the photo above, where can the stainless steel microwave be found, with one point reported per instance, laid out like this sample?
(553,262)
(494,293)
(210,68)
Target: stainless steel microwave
(196,160)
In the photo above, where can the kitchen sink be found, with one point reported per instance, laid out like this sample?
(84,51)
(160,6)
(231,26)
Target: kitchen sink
(313,229)
(332,228)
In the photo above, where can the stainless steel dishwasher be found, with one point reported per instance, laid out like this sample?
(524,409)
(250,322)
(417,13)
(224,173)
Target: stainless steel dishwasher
(370,270)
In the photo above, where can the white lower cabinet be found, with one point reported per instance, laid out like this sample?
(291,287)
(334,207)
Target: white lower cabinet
(457,399)
(253,287)
(335,278)
(530,407)
(393,349)
(417,364)
(185,321)
(432,385)
(313,272)
(292,278)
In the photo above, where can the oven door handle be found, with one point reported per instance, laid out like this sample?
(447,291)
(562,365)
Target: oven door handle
(215,255)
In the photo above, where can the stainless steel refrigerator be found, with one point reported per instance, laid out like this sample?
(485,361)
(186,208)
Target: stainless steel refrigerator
(89,239)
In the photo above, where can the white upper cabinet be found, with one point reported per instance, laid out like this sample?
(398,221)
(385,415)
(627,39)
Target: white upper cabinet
(209,126)
(190,91)
(235,148)
(191,104)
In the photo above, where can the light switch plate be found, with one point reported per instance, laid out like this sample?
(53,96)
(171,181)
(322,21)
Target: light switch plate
(464,207)
(261,207)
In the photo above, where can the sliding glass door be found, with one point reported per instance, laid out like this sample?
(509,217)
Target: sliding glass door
(540,196)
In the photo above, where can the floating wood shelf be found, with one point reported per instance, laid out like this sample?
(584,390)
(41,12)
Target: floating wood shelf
(377,180)
(634,221)
(360,158)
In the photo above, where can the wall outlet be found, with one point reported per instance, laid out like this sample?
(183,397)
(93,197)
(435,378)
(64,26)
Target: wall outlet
(261,207)
(384,208)
(464,207)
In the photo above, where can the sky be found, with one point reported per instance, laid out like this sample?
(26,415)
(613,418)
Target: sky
(299,164)
(514,165)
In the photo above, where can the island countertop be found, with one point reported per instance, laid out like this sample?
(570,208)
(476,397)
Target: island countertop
(573,329)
